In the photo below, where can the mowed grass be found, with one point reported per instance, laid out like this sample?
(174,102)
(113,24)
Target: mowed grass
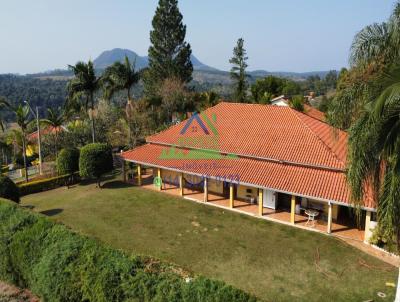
(273,261)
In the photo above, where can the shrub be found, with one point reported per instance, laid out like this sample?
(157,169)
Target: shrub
(60,265)
(68,161)
(95,160)
(8,189)
(48,183)
(297,103)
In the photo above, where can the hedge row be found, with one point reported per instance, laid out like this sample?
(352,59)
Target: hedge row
(60,265)
(47,184)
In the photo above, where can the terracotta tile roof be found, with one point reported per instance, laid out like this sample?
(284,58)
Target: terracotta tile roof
(32,137)
(308,182)
(264,131)
(276,147)
(315,113)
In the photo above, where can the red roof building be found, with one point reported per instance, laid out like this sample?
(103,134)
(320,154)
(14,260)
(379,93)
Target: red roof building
(266,152)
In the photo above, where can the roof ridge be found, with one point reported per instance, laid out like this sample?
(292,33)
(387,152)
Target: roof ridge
(181,122)
(295,113)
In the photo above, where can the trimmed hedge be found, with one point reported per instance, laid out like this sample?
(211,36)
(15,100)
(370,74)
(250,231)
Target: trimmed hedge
(60,265)
(95,160)
(8,189)
(47,184)
(68,161)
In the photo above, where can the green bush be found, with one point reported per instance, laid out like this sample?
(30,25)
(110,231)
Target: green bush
(60,265)
(95,160)
(68,161)
(47,183)
(8,189)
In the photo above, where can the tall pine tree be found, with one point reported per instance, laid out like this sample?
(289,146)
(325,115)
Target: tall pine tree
(238,71)
(169,54)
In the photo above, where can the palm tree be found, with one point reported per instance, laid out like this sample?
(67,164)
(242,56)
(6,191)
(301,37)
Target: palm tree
(54,120)
(22,114)
(84,86)
(373,49)
(374,155)
(122,76)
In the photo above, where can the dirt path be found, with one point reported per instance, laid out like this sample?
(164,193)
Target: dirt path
(10,293)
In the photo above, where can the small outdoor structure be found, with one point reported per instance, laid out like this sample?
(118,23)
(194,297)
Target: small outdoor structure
(269,161)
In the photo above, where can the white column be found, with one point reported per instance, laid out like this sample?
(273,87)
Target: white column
(205,189)
(329,228)
(367,232)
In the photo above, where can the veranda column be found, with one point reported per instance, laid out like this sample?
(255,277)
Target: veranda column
(181,184)
(159,178)
(205,189)
(260,202)
(139,175)
(329,227)
(231,197)
(293,209)
(124,170)
(367,232)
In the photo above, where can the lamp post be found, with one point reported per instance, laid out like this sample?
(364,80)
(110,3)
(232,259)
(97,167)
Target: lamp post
(36,115)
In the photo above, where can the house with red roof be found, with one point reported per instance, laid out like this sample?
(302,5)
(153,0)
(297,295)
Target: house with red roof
(268,161)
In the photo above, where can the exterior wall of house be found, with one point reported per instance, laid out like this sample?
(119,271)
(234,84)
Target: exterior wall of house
(193,181)
(246,192)
(170,177)
(215,186)
(322,206)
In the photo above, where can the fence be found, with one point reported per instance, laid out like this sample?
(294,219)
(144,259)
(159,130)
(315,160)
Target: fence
(48,169)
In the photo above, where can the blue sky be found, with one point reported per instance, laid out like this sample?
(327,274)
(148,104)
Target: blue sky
(280,35)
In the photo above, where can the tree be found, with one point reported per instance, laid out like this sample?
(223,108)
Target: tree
(374,155)
(54,120)
(122,76)
(8,189)
(169,53)
(373,52)
(84,86)
(297,103)
(331,79)
(263,90)
(68,161)
(22,114)
(369,95)
(95,160)
(238,70)
(173,94)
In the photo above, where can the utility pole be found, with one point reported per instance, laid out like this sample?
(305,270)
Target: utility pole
(397,299)
(39,141)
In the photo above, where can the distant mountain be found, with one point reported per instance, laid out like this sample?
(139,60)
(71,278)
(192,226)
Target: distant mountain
(108,57)
(287,74)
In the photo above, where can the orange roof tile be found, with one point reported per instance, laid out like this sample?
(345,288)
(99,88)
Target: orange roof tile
(315,113)
(264,131)
(276,147)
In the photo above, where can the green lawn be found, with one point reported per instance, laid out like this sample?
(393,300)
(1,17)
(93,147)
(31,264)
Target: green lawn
(273,261)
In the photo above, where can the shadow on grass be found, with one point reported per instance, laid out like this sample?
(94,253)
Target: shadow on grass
(28,206)
(116,184)
(51,212)
(109,176)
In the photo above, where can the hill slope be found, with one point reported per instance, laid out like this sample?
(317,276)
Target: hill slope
(108,57)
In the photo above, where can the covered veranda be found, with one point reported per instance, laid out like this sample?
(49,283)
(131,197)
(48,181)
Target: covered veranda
(290,209)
